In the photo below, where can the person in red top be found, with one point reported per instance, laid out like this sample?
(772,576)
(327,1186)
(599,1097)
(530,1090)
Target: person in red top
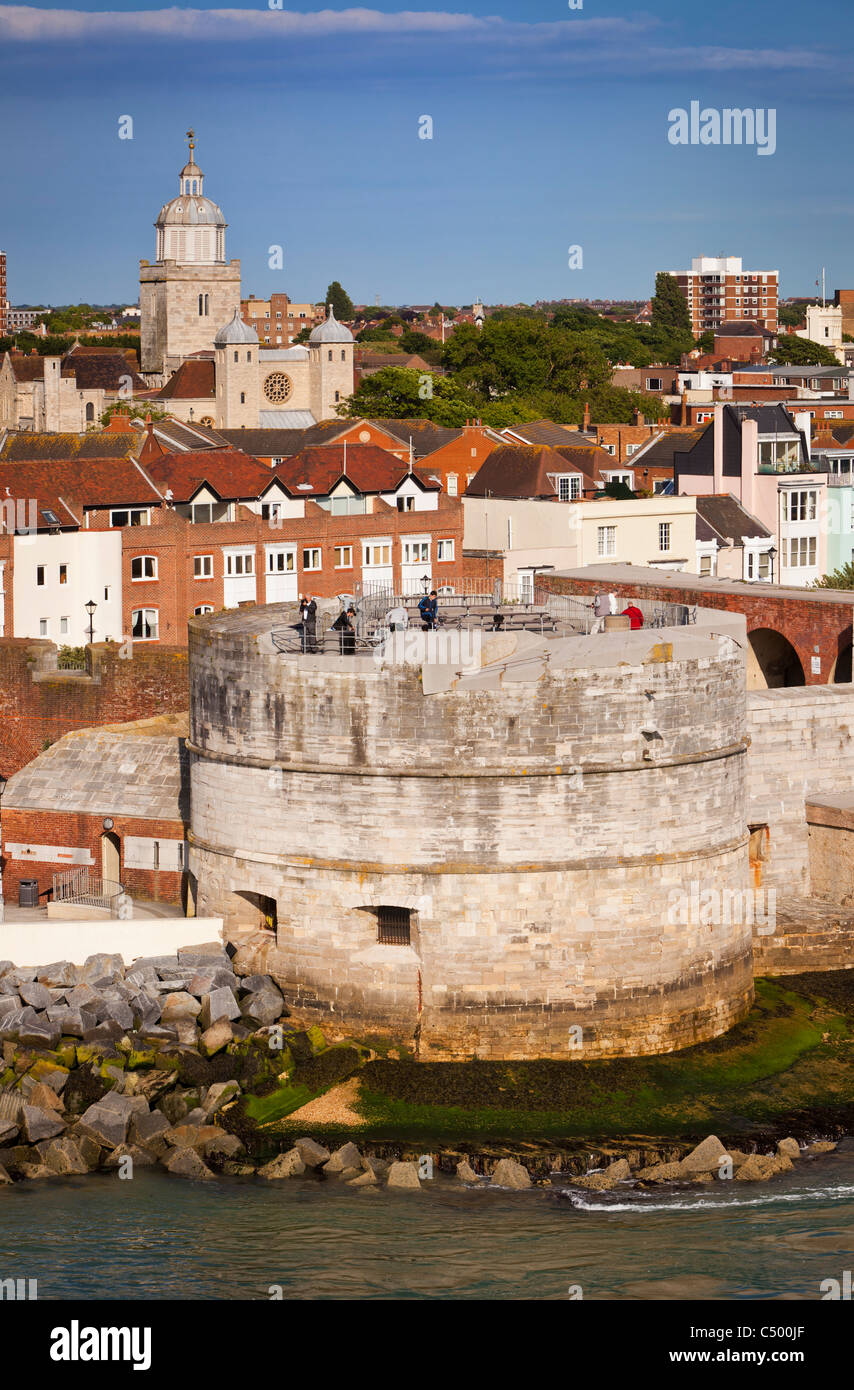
(634,615)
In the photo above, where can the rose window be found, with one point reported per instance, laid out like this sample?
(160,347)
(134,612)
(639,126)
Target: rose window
(277,387)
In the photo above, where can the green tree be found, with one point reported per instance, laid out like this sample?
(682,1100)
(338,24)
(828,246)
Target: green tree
(342,304)
(802,352)
(706,341)
(670,307)
(791,315)
(843,578)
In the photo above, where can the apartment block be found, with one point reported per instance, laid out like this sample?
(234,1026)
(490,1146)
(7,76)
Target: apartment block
(278,320)
(719,290)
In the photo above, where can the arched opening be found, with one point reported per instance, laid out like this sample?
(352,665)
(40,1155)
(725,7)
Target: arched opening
(111,857)
(261,911)
(90,412)
(772,661)
(842,667)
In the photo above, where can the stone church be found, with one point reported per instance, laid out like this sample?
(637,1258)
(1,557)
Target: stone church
(198,349)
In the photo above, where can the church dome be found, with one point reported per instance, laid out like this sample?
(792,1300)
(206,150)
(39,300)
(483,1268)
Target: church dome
(330,331)
(189,210)
(191,227)
(235,331)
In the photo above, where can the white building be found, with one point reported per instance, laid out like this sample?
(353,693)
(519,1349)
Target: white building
(55,577)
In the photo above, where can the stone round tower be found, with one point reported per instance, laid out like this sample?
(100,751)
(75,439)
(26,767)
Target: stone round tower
(508,867)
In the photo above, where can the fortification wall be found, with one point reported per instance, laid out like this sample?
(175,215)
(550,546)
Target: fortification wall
(537,837)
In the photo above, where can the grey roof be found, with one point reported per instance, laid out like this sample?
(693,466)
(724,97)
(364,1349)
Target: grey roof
(235,331)
(728,519)
(299,353)
(134,770)
(285,419)
(330,331)
(545,432)
(190,210)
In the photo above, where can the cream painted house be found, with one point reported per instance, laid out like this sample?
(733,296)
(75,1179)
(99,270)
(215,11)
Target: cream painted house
(538,534)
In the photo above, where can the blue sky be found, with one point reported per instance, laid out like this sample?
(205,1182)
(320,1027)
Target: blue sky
(550,130)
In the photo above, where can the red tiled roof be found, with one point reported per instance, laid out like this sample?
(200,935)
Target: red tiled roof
(368,467)
(194,380)
(102,482)
(231,473)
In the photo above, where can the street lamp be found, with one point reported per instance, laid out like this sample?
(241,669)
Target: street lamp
(3,781)
(425,582)
(771,554)
(90,609)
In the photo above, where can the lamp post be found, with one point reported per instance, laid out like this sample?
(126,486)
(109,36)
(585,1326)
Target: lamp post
(3,781)
(771,554)
(90,609)
(425,582)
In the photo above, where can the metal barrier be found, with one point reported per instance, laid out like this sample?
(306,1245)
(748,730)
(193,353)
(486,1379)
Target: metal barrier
(81,886)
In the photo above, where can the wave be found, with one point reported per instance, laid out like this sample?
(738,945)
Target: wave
(825,1194)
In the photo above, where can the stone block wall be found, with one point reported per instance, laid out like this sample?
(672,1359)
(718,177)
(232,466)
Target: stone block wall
(537,838)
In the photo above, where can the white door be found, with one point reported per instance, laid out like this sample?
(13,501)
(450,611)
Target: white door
(415,565)
(281,574)
(377,570)
(239,580)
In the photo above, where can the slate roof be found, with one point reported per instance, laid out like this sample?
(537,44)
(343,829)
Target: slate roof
(266,443)
(726,519)
(426,436)
(27,366)
(524,470)
(742,328)
(545,432)
(230,472)
(109,371)
(185,437)
(369,468)
(139,770)
(194,380)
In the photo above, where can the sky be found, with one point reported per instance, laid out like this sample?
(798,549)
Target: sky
(550,126)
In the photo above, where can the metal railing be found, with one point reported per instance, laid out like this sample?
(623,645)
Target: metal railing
(82,887)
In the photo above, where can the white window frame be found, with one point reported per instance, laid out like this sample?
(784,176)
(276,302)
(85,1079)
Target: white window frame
(342,564)
(202,608)
(315,554)
(145,621)
(141,560)
(206,567)
(245,569)
(130,513)
(444,550)
(665,531)
(368,547)
(451,480)
(606,541)
(421,545)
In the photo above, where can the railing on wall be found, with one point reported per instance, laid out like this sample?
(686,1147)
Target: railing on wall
(82,887)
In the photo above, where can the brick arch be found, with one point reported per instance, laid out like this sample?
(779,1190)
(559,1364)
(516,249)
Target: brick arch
(774,659)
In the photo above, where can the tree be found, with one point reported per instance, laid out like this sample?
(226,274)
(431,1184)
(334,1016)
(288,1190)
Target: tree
(303,336)
(342,304)
(802,352)
(670,307)
(791,315)
(843,578)
(706,341)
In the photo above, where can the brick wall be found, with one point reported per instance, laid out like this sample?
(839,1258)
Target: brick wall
(40,705)
(806,623)
(81,831)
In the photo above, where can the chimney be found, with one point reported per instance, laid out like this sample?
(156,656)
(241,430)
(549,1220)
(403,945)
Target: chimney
(749,462)
(718,445)
(586,425)
(683,410)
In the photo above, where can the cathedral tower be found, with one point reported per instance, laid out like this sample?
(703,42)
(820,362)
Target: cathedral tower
(190,288)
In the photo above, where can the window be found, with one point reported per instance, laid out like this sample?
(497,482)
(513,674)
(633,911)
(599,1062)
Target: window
(393,926)
(406,504)
(444,550)
(202,566)
(606,540)
(202,609)
(343,557)
(63,574)
(343,355)
(63,627)
(337,395)
(568,487)
(330,354)
(664,535)
(243,398)
(201,512)
(451,484)
(133,516)
(379,554)
(90,412)
(610,448)
(143,567)
(42,627)
(704,566)
(758,564)
(416,552)
(236,355)
(632,449)
(833,415)
(620,478)
(144,624)
(311,559)
(239,563)
(654,383)
(106,593)
(799,506)
(801,551)
(281,561)
(40,574)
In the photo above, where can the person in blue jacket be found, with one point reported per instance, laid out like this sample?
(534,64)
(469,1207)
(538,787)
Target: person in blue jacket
(429,608)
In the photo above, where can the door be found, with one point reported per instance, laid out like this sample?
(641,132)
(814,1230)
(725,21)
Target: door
(415,566)
(111,858)
(281,576)
(239,581)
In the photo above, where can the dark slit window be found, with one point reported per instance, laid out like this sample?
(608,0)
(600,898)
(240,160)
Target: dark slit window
(393,925)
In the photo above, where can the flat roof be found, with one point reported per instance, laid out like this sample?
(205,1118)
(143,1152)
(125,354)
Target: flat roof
(662,579)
